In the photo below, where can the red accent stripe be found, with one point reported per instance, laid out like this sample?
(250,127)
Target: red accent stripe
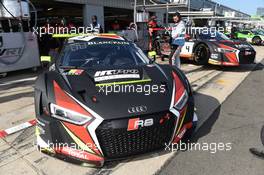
(82,133)
(131,124)
(64,100)
(110,36)
(232,57)
(3,134)
(33,122)
(179,87)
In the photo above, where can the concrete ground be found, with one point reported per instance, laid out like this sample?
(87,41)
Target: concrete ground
(212,84)
(237,121)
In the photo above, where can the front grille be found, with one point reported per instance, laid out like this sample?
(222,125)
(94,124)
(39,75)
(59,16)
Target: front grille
(247,59)
(116,142)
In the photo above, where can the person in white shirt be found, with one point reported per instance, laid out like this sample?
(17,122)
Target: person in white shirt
(178,40)
(95,26)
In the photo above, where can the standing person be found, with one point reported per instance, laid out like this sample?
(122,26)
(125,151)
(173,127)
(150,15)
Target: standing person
(178,41)
(95,26)
(152,24)
(133,27)
(233,32)
(115,26)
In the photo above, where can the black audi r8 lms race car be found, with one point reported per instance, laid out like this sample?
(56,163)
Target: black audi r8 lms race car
(92,106)
(211,47)
(217,49)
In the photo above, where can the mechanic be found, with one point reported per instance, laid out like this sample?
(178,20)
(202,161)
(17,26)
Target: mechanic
(133,27)
(152,24)
(115,25)
(178,41)
(233,32)
(95,26)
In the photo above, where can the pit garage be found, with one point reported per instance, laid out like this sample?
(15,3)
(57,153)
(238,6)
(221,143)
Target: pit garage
(117,18)
(55,11)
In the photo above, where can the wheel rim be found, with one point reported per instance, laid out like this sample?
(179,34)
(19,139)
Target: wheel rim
(201,53)
(257,41)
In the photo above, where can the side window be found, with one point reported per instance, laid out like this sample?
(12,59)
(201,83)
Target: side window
(15,26)
(245,32)
(5,26)
(25,25)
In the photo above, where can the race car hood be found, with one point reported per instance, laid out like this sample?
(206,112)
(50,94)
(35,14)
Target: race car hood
(95,88)
(236,44)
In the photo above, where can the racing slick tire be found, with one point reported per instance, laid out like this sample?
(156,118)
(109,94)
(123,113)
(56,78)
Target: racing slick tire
(257,40)
(201,54)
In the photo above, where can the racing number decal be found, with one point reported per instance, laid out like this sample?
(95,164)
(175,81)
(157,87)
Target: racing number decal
(187,49)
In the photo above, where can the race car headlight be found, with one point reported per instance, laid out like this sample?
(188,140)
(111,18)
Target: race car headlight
(182,101)
(222,50)
(68,115)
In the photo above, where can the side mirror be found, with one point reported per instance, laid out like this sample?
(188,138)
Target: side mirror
(152,56)
(45,61)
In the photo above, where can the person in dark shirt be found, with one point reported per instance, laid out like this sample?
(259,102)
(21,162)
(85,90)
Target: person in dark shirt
(152,24)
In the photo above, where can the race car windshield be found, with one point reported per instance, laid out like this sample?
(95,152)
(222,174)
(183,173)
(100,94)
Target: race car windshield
(258,32)
(102,53)
(214,36)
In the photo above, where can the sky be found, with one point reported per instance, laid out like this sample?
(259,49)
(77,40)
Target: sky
(247,6)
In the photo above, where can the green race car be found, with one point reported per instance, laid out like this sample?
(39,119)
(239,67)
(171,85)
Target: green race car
(252,36)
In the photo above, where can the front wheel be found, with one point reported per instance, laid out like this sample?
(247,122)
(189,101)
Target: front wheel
(201,54)
(257,40)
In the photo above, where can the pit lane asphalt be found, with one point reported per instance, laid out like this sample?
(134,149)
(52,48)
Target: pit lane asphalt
(238,121)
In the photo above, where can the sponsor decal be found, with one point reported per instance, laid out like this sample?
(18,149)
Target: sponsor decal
(248,53)
(136,123)
(181,134)
(214,56)
(116,74)
(74,72)
(214,62)
(80,154)
(85,45)
(240,46)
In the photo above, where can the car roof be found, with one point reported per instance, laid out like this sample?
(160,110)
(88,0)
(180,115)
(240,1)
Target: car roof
(88,37)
